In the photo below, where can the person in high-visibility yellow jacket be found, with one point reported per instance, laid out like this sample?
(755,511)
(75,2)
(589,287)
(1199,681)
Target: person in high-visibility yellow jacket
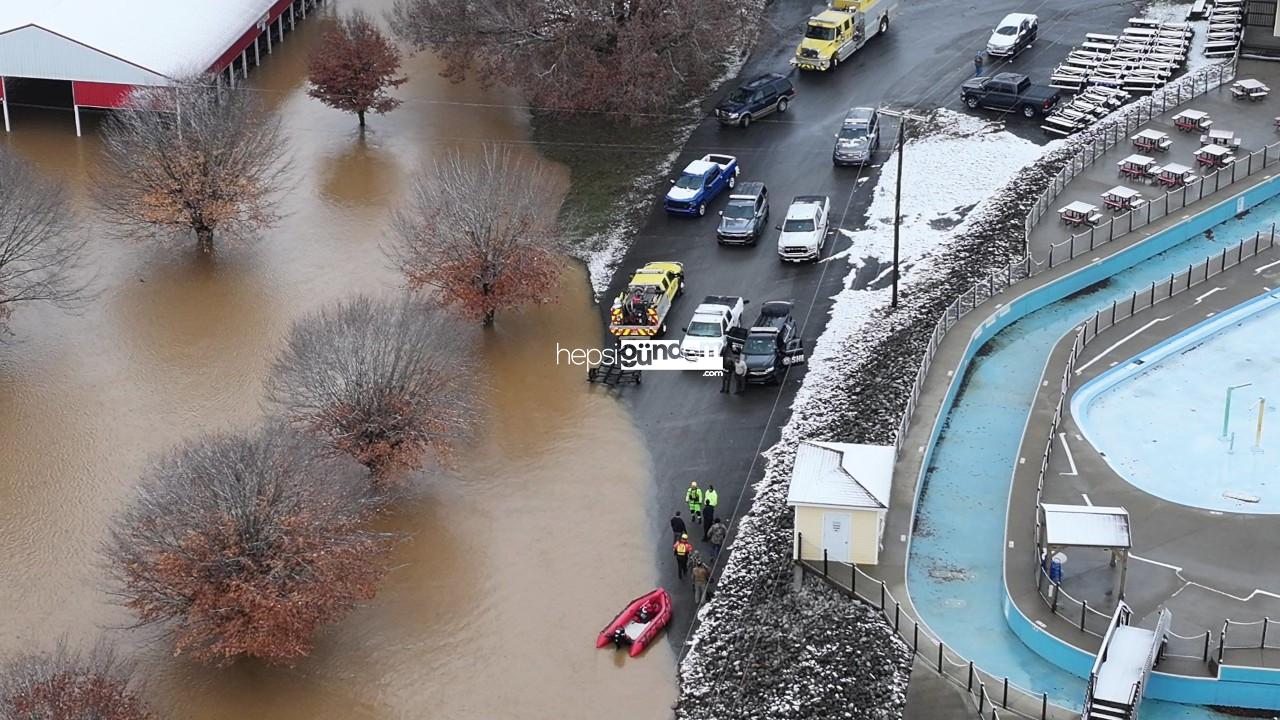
(693,496)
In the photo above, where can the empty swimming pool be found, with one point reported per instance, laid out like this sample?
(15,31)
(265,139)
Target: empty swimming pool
(1162,420)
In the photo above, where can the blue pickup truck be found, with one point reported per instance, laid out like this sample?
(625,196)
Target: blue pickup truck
(700,183)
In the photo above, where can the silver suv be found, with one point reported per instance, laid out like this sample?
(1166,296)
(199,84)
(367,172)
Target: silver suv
(859,137)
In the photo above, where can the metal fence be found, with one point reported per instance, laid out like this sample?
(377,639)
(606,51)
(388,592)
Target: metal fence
(1077,611)
(992,697)
(1105,137)
(1183,90)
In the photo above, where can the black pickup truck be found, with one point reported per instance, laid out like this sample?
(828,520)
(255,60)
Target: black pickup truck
(1009,92)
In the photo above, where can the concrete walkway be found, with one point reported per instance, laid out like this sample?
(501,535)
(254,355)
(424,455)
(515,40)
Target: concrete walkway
(1253,122)
(1187,559)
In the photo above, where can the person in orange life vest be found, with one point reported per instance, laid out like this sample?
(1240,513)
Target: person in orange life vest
(682,549)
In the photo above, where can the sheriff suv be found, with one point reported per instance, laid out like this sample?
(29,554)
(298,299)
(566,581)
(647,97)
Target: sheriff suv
(773,343)
(754,100)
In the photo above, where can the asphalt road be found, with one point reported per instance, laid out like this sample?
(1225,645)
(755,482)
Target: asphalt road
(693,431)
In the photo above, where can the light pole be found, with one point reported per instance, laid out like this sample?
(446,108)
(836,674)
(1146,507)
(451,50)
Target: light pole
(1226,412)
(897,195)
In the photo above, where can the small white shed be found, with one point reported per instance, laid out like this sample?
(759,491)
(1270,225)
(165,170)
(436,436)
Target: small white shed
(840,494)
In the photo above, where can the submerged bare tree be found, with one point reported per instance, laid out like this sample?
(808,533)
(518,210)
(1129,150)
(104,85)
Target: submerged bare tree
(192,160)
(40,251)
(482,232)
(388,383)
(245,545)
(68,685)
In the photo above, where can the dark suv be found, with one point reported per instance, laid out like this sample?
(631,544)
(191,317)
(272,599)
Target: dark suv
(756,99)
(746,215)
(772,343)
(858,139)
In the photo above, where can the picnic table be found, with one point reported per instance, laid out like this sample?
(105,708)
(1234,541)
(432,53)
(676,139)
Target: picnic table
(1136,166)
(1249,88)
(1214,156)
(1189,120)
(1078,213)
(1175,175)
(1225,138)
(1151,140)
(1122,198)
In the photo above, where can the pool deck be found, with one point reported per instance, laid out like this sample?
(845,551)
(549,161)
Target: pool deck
(1187,559)
(1252,121)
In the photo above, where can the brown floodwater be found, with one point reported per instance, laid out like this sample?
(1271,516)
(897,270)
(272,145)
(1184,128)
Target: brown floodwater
(514,561)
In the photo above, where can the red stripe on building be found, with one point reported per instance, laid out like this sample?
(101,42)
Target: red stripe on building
(246,40)
(1,88)
(100,95)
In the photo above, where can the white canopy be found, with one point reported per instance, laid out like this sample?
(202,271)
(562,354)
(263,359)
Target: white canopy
(1086,526)
(842,475)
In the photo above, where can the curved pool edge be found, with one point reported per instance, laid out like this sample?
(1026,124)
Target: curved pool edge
(1053,650)
(1148,360)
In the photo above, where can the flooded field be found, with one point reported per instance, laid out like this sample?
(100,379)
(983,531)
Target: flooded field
(515,560)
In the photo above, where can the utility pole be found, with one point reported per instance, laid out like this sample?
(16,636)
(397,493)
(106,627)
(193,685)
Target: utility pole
(897,196)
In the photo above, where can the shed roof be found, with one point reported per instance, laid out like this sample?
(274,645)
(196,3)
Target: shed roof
(1086,526)
(113,41)
(842,474)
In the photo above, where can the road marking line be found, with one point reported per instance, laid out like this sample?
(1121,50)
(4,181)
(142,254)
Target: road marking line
(1264,267)
(1120,342)
(1063,437)
(1087,501)
(1174,568)
(1217,289)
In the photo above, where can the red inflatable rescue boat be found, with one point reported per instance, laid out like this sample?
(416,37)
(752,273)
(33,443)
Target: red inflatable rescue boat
(639,623)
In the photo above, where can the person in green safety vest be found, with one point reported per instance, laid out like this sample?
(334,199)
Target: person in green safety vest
(693,496)
(709,501)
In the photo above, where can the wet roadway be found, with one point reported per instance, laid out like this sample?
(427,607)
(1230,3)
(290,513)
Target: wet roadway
(692,431)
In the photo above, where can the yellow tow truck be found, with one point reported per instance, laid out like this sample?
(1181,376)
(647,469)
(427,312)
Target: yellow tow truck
(641,309)
(838,32)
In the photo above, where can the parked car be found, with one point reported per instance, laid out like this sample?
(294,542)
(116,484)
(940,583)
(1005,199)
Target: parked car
(1014,34)
(756,99)
(804,232)
(859,137)
(773,343)
(709,328)
(1009,92)
(701,182)
(743,220)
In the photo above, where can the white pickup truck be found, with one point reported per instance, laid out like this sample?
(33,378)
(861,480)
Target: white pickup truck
(804,232)
(709,328)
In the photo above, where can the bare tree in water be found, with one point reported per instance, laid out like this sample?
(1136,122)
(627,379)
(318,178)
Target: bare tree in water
(388,383)
(630,57)
(245,545)
(68,685)
(40,251)
(192,160)
(482,232)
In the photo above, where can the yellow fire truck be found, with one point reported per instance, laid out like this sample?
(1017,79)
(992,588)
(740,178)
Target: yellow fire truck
(834,34)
